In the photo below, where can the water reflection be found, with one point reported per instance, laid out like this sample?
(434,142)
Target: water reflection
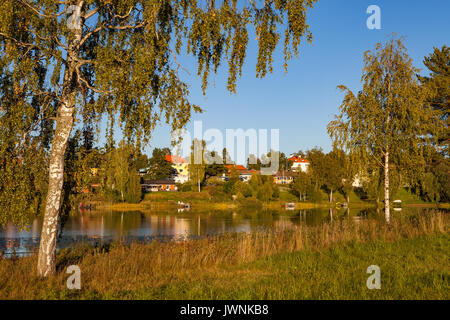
(97,227)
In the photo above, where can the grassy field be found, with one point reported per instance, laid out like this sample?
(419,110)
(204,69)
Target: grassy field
(308,262)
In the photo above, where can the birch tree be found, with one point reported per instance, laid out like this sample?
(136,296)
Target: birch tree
(387,121)
(77,59)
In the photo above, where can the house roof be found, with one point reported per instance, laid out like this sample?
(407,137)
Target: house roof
(174,158)
(298,159)
(238,167)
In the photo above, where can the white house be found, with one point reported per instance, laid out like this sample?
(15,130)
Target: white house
(181,166)
(299,164)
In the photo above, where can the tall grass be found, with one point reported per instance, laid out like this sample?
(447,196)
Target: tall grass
(121,271)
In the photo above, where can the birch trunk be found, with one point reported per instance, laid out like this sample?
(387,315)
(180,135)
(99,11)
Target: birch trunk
(64,123)
(47,248)
(387,212)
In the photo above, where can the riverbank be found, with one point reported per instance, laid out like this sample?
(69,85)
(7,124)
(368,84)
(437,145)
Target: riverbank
(211,199)
(308,262)
(147,205)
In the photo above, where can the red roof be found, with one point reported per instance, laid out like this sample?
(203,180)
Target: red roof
(250,172)
(174,159)
(298,159)
(237,167)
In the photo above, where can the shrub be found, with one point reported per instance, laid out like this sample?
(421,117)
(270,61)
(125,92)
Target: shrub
(276,192)
(228,187)
(214,181)
(243,188)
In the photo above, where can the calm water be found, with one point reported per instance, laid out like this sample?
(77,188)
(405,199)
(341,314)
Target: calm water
(97,227)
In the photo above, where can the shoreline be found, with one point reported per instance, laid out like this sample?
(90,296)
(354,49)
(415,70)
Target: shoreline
(275,205)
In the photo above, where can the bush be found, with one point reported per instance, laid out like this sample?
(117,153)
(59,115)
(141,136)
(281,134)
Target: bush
(214,181)
(186,187)
(216,193)
(314,195)
(228,187)
(243,188)
(276,192)
(112,195)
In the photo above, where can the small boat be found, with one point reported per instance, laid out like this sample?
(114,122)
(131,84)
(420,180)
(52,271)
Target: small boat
(184,205)
(342,204)
(289,205)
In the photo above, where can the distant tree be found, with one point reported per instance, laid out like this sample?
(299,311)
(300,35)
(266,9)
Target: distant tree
(212,168)
(349,173)
(374,185)
(284,164)
(301,184)
(159,167)
(141,161)
(253,162)
(133,186)
(197,164)
(299,153)
(318,166)
(387,121)
(88,136)
(334,170)
(440,171)
(226,157)
(120,168)
(434,182)
(265,192)
(438,82)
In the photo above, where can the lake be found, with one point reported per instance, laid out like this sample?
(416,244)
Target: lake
(98,227)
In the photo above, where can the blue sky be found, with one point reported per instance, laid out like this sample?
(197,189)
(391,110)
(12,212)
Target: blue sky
(303,101)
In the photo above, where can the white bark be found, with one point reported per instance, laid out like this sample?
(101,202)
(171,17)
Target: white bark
(47,248)
(387,212)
